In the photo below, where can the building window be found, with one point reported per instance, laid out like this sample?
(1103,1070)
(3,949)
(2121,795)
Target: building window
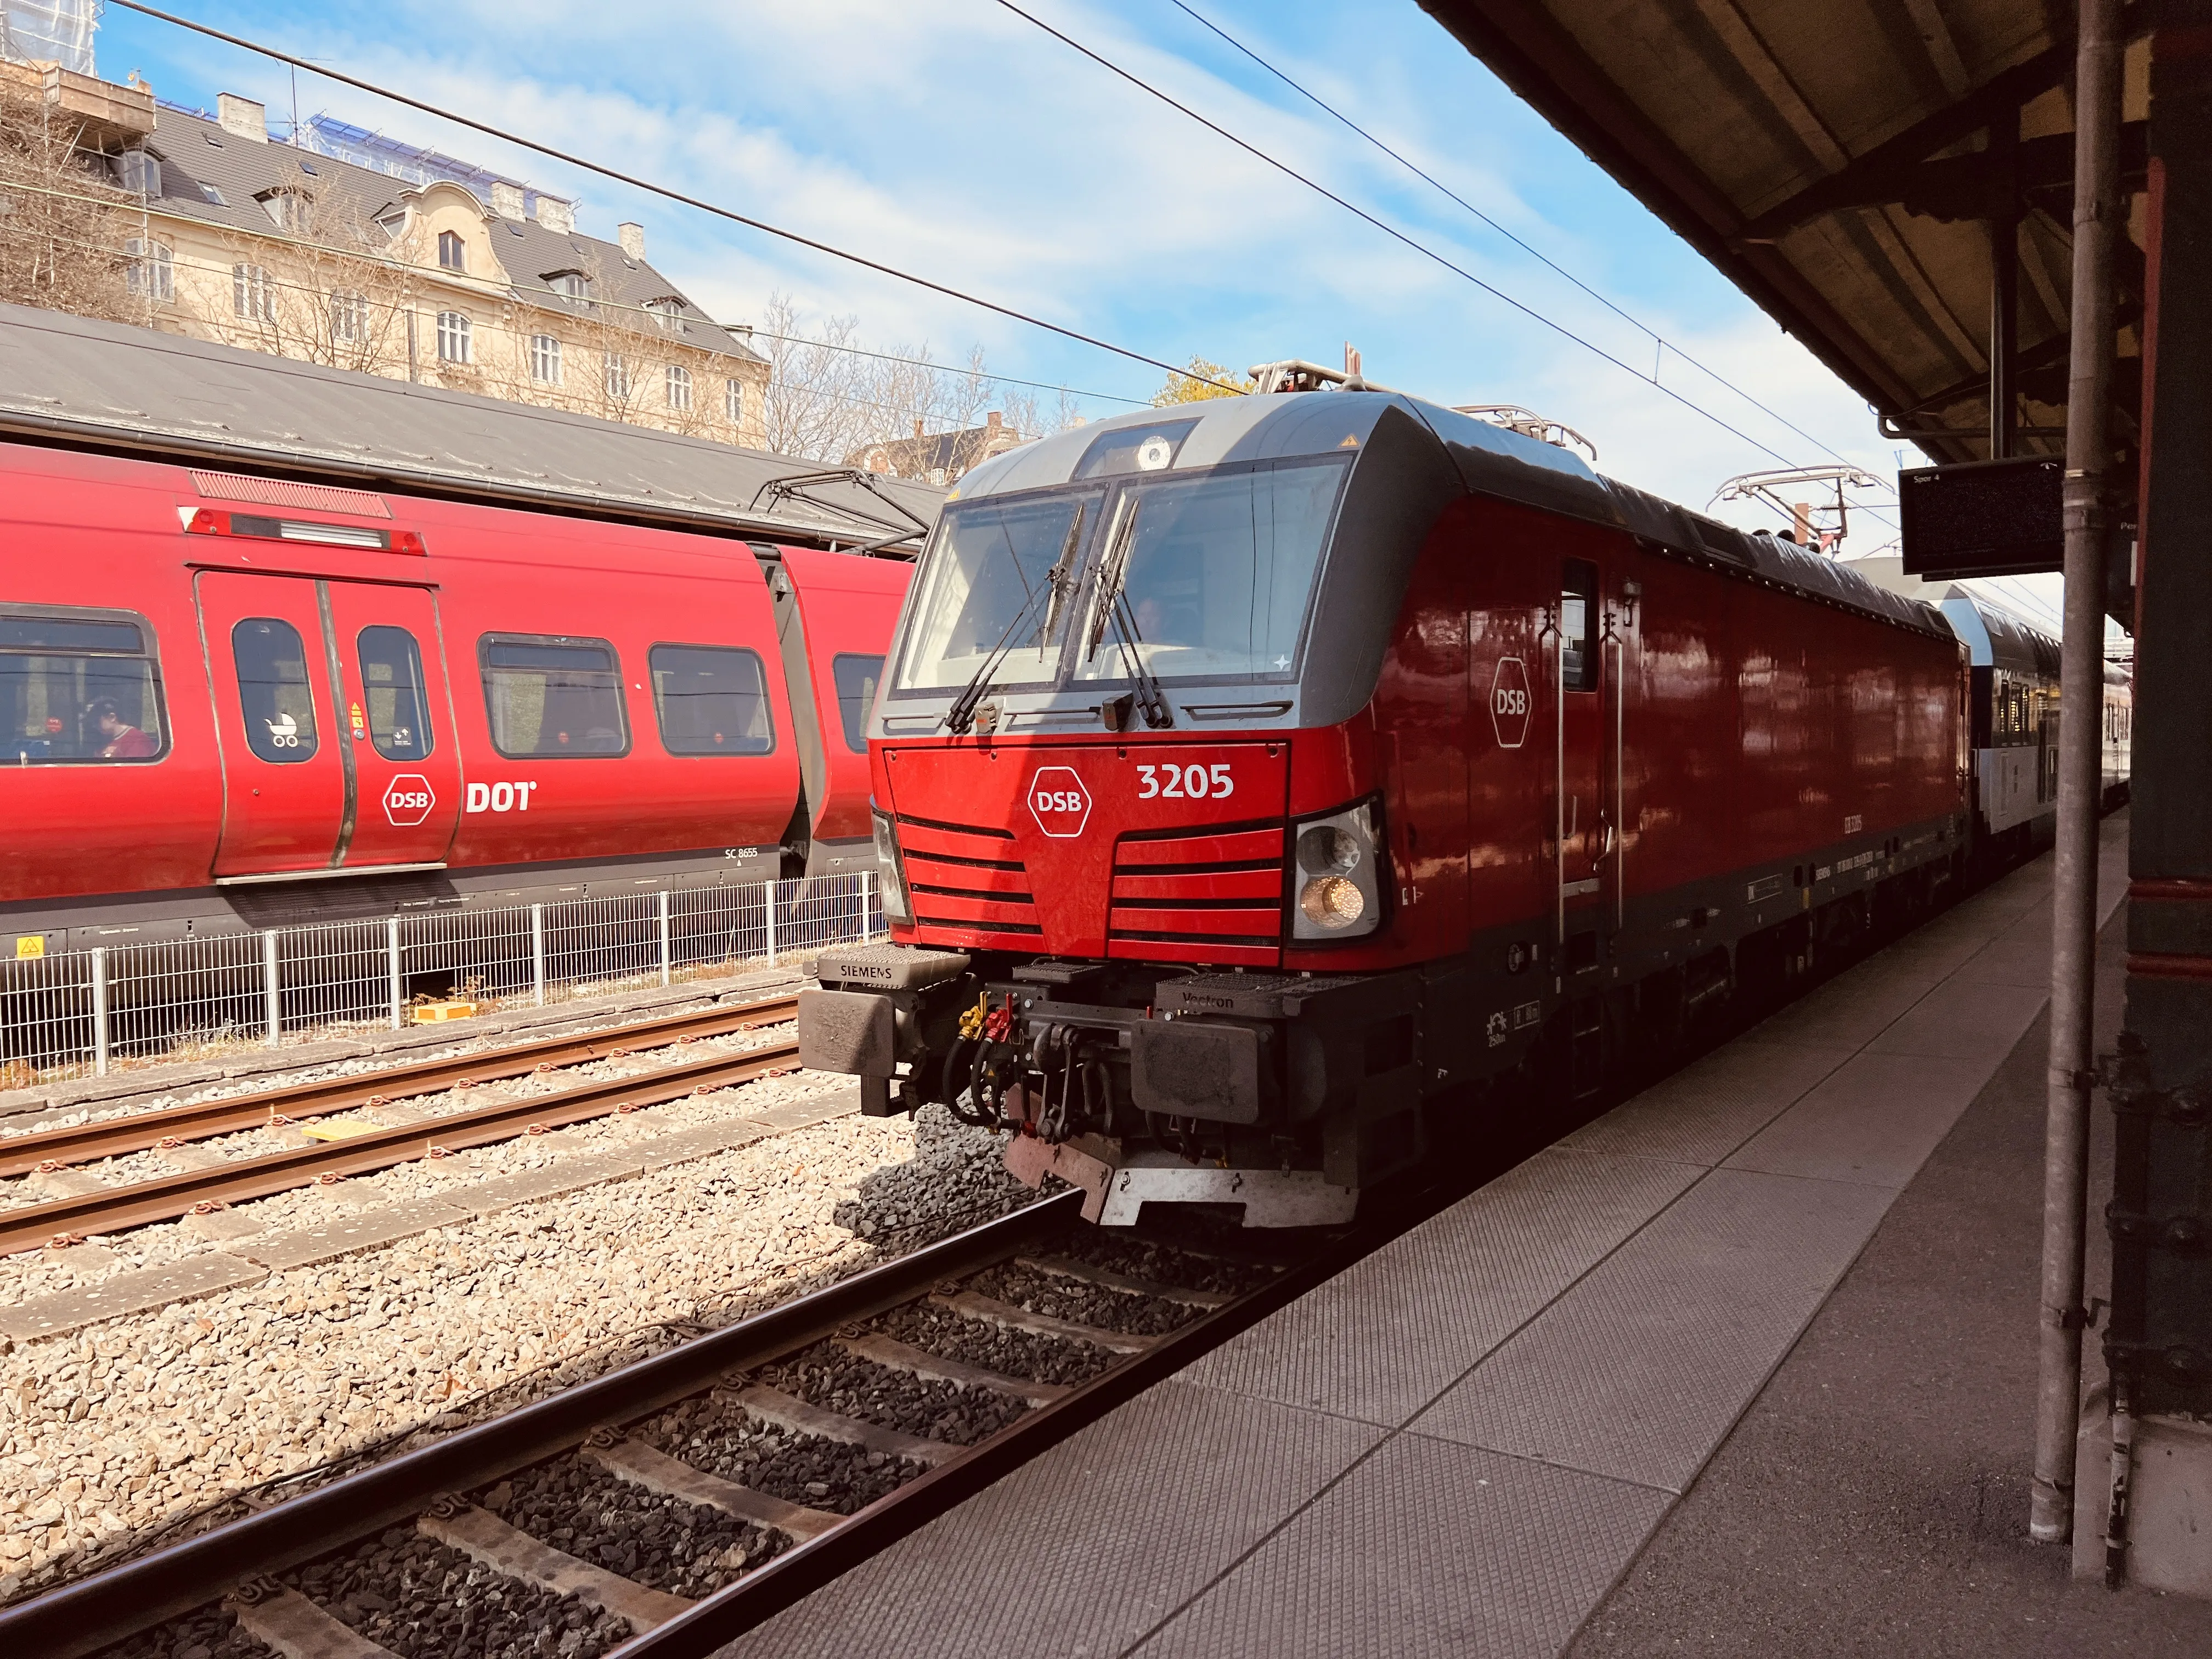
(288,208)
(545,359)
(140,172)
(570,284)
(733,402)
(251,294)
(618,376)
(668,312)
(453,254)
(453,338)
(349,317)
(679,387)
(152,273)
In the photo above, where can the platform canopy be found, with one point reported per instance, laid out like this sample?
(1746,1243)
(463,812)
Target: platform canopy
(1858,168)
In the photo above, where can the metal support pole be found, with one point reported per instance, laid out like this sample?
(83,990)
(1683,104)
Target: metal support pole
(663,936)
(2005,288)
(2099,210)
(537,955)
(272,991)
(391,967)
(99,1011)
(768,908)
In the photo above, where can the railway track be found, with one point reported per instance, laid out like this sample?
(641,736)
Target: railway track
(217,1184)
(666,1508)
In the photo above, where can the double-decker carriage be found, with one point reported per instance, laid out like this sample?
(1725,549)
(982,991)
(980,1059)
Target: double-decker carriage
(1258,786)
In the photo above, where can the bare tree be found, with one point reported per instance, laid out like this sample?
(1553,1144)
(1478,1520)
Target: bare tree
(65,226)
(336,291)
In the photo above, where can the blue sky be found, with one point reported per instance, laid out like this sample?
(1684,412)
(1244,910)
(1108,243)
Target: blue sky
(953,139)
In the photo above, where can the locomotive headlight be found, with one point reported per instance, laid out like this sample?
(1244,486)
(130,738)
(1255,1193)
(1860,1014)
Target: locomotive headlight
(1338,874)
(890,869)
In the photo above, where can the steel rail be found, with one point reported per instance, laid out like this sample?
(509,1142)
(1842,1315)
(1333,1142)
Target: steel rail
(80,1618)
(797,1572)
(85,1142)
(170,1196)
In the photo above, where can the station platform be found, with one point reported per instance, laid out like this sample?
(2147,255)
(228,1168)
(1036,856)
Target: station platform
(1462,1444)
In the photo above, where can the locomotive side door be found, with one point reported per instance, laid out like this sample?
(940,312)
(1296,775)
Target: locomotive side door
(397,723)
(1583,832)
(284,774)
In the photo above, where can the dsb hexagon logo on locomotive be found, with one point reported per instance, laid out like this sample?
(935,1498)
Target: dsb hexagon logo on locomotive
(1058,802)
(1510,702)
(408,800)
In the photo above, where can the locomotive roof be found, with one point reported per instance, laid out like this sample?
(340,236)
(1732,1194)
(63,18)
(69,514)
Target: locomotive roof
(1491,460)
(120,387)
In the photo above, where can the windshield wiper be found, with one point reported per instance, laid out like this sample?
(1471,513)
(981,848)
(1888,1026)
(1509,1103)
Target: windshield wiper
(961,716)
(1112,606)
(1149,698)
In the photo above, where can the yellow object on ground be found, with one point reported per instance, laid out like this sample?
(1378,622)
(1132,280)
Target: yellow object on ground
(429,1013)
(338,1129)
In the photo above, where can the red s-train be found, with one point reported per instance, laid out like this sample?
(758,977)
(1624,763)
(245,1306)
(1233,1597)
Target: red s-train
(232,700)
(1257,782)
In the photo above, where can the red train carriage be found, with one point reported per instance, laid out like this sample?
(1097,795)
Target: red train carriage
(1257,783)
(231,700)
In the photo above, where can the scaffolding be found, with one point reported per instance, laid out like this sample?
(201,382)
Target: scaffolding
(49,32)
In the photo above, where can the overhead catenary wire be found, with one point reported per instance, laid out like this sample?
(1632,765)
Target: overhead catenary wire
(569,159)
(1535,252)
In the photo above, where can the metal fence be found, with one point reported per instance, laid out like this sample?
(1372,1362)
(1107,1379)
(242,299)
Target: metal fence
(85,1011)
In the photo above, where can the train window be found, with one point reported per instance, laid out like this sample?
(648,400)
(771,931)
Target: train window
(273,691)
(78,687)
(985,581)
(857,678)
(399,702)
(1211,574)
(1577,600)
(552,697)
(711,700)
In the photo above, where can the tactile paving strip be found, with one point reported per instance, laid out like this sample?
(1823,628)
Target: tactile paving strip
(1381,1339)
(1425,1551)
(1085,1549)
(1637,1372)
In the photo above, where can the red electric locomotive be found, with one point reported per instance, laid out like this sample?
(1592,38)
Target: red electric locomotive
(1258,782)
(237,701)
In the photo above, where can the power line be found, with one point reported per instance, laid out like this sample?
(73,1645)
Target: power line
(1417,171)
(636,183)
(1387,228)
(749,330)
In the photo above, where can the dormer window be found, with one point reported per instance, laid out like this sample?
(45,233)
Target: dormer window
(570,284)
(392,222)
(288,208)
(668,312)
(452,252)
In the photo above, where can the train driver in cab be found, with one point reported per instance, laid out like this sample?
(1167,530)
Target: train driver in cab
(119,738)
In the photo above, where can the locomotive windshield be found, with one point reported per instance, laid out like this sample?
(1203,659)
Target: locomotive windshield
(1196,577)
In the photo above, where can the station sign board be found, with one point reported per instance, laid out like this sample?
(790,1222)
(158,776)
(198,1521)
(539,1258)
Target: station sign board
(1983,518)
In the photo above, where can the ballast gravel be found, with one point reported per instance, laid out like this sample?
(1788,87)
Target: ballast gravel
(826,1376)
(1014,1353)
(1121,1311)
(111,1434)
(209,1633)
(424,1599)
(716,1434)
(665,1542)
(1162,1264)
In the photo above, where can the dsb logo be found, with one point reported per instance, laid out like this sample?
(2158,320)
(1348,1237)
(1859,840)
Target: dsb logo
(1058,802)
(408,800)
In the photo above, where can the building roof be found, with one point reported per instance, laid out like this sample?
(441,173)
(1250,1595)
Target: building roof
(199,156)
(928,454)
(1840,162)
(117,387)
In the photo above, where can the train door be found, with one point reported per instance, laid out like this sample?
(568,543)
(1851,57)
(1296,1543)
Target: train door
(329,697)
(391,677)
(1583,831)
(283,763)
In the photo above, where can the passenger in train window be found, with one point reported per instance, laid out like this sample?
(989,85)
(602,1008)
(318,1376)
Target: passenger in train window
(119,739)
